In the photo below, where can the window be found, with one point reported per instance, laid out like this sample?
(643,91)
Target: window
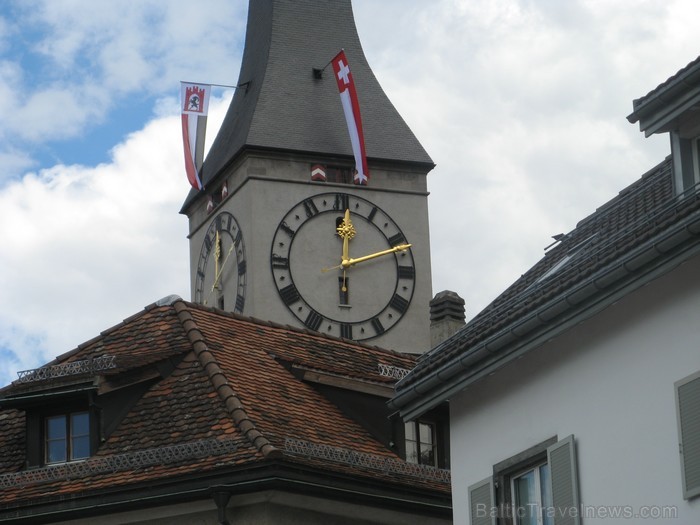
(688,413)
(536,487)
(421,443)
(685,149)
(67,437)
(532,496)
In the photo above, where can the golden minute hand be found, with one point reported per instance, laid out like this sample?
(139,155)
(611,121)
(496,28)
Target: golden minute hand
(351,262)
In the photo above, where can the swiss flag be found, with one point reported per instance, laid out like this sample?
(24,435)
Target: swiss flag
(351,108)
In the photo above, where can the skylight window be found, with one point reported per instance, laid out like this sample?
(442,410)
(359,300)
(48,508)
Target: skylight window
(573,252)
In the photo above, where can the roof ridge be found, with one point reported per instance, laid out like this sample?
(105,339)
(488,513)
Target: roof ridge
(296,329)
(216,375)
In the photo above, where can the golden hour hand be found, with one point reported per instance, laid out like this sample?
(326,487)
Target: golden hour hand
(347,231)
(351,262)
(219,269)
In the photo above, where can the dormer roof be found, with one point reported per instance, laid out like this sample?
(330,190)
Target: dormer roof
(673,105)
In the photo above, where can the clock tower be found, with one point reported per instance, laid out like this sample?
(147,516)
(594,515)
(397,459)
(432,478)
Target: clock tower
(280,232)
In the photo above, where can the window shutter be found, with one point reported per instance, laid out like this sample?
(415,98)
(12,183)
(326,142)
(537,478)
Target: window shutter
(481,503)
(688,411)
(564,480)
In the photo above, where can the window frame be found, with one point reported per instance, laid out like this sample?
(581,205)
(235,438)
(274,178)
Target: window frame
(540,487)
(40,411)
(506,470)
(69,436)
(560,455)
(440,418)
(434,448)
(686,161)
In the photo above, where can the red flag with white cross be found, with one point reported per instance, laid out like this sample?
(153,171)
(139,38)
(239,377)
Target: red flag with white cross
(351,108)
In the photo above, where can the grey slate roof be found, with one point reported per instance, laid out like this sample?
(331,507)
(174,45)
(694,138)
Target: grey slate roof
(283,107)
(658,110)
(632,239)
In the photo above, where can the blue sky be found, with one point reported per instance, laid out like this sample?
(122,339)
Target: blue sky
(520,103)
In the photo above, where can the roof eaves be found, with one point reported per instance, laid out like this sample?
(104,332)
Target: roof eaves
(344,382)
(662,103)
(649,261)
(218,379)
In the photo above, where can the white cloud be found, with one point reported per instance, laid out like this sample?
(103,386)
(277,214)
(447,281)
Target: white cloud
(93,58)
(84,247)
(521,104)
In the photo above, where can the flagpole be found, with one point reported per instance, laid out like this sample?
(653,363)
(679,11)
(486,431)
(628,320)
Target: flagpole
(244,84)
(318,72)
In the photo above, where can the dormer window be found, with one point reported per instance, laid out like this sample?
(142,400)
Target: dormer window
(686,161)
(674,107)
(425,441)
(67,437)
(421,442)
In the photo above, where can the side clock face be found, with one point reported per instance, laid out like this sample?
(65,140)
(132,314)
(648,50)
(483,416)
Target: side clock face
(342,266)
(221,269)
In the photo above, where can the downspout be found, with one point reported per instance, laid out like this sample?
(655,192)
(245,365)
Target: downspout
(221,499)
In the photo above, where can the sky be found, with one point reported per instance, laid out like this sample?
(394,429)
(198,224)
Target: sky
(520,103)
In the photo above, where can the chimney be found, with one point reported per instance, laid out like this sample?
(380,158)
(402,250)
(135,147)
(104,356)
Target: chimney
(446,316)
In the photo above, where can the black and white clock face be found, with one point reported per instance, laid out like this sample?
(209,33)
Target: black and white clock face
(221,269)
(359,300)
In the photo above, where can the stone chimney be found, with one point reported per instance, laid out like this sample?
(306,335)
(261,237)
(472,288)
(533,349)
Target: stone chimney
(446,316)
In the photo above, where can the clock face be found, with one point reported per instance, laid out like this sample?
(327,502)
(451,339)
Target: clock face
(221,270)
(342,266)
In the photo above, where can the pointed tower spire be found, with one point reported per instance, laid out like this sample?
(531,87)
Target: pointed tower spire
(283,106)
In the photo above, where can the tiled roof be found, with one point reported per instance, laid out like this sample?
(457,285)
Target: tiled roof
(678,78)
(643,225)
(230,380)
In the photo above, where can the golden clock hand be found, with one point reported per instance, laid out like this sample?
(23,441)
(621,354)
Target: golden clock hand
(351,262)
(217,255)
(218,273)
(347,231)
(221,270)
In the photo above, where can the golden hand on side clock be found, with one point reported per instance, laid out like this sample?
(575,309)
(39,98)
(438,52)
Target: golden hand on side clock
(218,270)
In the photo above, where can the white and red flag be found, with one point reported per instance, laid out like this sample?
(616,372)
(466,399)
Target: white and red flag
(194,99)
(351,108)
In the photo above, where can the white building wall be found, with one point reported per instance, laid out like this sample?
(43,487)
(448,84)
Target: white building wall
(609,381)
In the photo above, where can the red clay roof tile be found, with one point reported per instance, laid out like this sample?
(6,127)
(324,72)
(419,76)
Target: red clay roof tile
(229,380)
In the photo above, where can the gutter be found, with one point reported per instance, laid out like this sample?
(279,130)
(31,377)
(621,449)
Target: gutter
(665,93)
(641,266)
(219,489)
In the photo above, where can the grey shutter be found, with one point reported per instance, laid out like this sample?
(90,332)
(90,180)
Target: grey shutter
(564,480)
(481,503)
(688,412)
